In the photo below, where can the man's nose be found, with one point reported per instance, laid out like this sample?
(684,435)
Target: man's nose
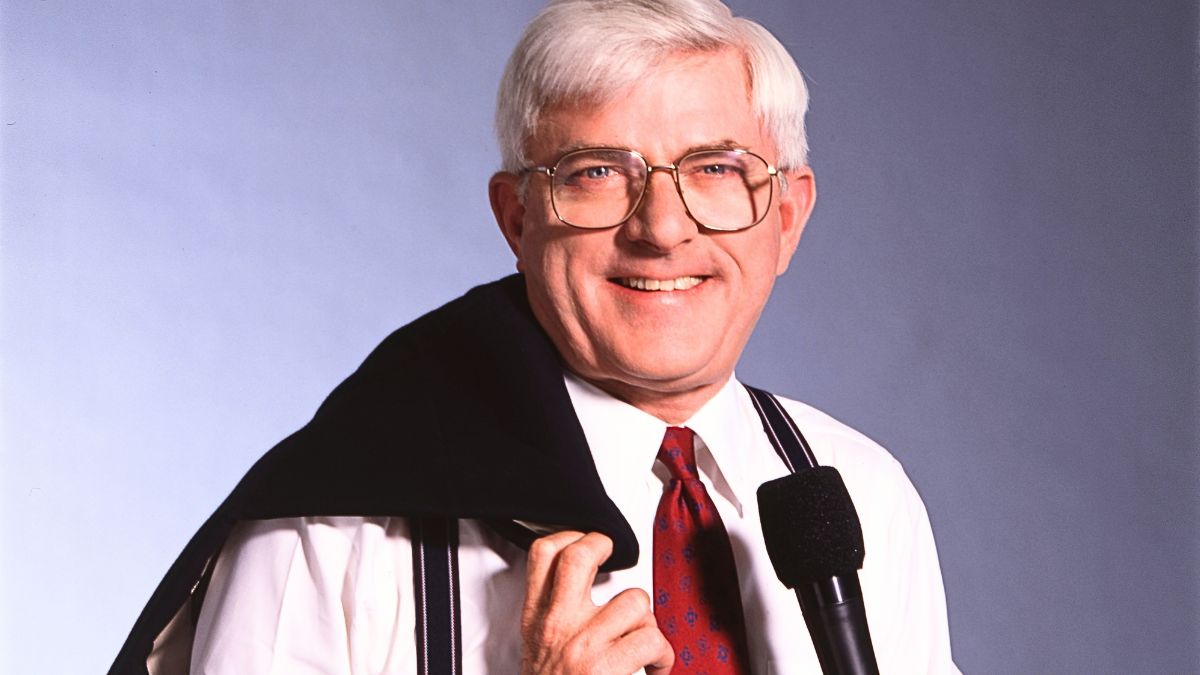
(661,220)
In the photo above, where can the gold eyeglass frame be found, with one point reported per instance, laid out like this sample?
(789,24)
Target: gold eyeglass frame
(673,168)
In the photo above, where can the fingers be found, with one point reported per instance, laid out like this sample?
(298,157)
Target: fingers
(563,631)
(647,648)
(637,641)
(627,612)
(543,555)
(562,568)
(576,567)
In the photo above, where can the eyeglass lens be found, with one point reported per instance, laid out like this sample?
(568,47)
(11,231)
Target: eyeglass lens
(722,189)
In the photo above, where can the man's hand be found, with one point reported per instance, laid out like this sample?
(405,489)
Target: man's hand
(565,633)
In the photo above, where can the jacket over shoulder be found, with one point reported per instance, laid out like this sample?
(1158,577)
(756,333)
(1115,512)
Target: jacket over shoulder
(462,414)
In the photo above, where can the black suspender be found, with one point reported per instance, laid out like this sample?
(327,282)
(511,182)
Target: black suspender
(435,552)
(783,433)
(435,585)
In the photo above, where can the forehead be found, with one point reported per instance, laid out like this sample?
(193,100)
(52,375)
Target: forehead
(684,102)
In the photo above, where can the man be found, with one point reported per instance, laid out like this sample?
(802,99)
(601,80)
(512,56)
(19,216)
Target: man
(655,183)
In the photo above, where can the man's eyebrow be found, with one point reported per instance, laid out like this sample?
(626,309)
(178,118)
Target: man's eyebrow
(727,144)
(724,144)
(588,145)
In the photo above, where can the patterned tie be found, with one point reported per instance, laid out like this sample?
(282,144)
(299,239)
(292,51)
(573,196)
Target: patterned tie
(696,599)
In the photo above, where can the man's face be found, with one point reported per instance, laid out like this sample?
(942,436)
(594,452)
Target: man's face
(666,351)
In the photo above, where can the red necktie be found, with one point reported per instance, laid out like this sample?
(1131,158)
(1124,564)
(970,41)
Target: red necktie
(696,599)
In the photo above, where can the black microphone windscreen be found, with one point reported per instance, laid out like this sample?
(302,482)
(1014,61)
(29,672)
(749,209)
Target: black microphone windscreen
(810,526)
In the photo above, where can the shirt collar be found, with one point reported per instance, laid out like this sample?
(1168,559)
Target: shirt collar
(624,440)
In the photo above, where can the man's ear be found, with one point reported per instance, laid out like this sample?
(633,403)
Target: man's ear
(504,194)
(795,206)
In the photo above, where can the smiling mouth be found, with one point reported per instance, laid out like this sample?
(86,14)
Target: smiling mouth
(644,284)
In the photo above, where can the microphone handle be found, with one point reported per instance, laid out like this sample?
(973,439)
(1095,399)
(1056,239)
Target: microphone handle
(837,621)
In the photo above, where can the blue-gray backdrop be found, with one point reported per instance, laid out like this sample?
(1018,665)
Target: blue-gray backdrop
(212,211)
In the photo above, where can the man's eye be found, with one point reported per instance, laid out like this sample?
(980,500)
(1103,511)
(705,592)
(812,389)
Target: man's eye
(593,177)
(718,170)
(599,172)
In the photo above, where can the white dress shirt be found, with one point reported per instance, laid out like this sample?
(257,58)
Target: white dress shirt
(333,595)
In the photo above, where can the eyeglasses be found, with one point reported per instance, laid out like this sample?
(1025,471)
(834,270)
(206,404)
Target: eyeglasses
(597,188)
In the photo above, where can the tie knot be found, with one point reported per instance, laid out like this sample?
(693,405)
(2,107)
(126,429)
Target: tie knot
(678,453)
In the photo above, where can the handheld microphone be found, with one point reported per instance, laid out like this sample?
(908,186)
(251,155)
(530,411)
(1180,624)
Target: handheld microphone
(815,543)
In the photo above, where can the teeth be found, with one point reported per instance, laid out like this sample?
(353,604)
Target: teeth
(679,284)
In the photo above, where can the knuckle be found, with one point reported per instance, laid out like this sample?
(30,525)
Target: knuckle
(576,655)
(652,646)
(641,598)
(542,549)
(545,549)
(598,538)
(634,601)
(576,556)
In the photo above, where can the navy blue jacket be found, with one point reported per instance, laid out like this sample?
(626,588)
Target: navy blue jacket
(462,413)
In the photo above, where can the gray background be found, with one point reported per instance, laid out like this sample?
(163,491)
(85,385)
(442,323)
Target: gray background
(212,211)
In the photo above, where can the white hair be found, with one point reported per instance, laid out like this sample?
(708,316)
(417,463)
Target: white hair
(593,50)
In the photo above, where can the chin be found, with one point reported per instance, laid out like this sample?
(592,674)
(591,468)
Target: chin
(664,376)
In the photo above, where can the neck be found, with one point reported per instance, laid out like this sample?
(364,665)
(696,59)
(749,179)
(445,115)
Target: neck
(672,407)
